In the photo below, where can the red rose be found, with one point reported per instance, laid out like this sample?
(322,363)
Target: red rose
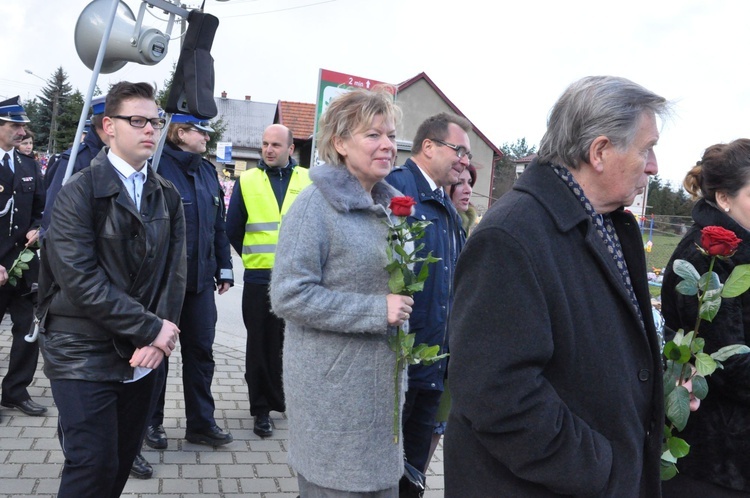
(402,206)
(718,241)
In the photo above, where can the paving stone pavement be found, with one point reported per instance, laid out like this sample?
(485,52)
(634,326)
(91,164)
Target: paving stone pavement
(31,459)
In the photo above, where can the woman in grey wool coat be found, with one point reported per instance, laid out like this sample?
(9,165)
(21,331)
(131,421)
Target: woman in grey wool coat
(330,286)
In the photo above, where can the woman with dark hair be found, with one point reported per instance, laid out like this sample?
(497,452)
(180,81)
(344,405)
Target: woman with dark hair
(460,195)
(719,431)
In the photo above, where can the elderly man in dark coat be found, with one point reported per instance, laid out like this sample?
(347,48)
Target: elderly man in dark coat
(555,361)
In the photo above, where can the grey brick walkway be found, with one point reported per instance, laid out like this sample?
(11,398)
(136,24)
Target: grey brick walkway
(31,459)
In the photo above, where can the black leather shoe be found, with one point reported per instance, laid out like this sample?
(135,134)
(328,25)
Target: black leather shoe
(213,436)
(262,426)
(156,437)
(28,407)
(141,469)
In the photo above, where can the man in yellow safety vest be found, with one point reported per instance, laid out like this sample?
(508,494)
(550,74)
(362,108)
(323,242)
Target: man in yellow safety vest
(260,198)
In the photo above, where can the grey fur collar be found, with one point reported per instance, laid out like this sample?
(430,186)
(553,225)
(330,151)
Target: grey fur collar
(344,192)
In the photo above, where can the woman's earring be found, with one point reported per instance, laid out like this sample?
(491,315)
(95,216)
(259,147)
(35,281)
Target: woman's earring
(726,209)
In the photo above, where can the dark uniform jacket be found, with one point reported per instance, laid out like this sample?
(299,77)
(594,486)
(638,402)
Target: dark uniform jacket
(556,380)
(87,151)
(22,194)
(208,251)
(444,238)
(113,273)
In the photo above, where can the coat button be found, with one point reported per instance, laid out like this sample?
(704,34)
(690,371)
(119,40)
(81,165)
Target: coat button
(644,375)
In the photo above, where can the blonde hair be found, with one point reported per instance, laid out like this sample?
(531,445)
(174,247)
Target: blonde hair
(350,112)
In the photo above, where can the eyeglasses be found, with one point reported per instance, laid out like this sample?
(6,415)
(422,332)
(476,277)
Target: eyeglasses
(201,132)
(140,121)
(460,149)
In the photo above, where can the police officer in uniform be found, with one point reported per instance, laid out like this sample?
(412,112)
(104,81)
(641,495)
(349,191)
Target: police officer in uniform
(95,140)
(21,206)
(209,269)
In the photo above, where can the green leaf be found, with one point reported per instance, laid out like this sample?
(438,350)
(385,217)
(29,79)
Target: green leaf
(704,364)
(729,351)
(678,447)
(687,288)
(688,338)
(686,270)
(678,354)
(670,377)
(738,281)
(12,281)
(700,387)
(396,282)
(26,256)
(678,337)
(698,344)
(668,470)
(709,281)
(677,407)
(424,272)
(710,307)
(401,252)
(408,341)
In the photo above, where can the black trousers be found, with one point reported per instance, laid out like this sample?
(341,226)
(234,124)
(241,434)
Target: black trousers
(197,333)
(100,427)
(265,342)
(23,355)
(418,424)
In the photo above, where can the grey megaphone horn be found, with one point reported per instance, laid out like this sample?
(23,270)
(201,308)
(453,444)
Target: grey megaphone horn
(128,41)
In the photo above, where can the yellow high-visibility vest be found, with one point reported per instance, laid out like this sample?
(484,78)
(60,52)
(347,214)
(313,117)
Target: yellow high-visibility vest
(263,215)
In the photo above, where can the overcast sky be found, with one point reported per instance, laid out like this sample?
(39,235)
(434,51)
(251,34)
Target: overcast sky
(503,64)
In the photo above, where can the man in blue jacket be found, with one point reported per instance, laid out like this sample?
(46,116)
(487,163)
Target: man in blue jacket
(440,152)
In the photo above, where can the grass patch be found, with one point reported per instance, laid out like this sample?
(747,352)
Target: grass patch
(663,245)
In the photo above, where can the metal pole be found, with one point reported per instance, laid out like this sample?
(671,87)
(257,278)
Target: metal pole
(160,146)
(90,91)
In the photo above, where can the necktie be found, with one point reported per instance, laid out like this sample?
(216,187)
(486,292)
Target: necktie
(6,161)
(137,179)
(438,193)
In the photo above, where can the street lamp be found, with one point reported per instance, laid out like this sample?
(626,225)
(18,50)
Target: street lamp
(53,123)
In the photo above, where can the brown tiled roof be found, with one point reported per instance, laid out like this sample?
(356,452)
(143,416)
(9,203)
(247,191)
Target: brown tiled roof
(298,117)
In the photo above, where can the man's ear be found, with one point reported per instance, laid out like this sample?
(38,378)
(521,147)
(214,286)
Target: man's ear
(598,152)
(428,148)
(108,125)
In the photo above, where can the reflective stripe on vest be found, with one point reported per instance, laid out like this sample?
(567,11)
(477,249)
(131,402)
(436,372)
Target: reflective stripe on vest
(263,216)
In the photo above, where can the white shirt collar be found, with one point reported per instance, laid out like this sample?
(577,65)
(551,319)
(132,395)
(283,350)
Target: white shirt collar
(123,167)
(11,155)
(430,181)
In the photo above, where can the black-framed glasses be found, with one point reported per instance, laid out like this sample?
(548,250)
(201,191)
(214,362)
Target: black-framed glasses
(140,121)
(460,149)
